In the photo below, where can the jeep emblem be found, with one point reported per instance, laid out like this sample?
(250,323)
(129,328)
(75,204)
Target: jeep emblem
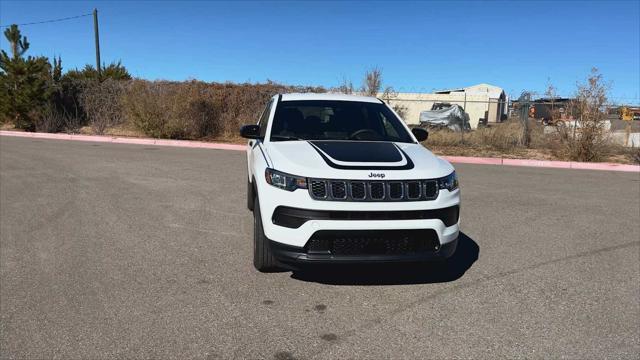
(376,175)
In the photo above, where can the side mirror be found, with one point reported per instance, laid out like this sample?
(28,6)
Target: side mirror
(250,131)
(420,134)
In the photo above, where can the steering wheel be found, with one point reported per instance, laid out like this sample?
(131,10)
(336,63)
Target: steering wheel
(372,134)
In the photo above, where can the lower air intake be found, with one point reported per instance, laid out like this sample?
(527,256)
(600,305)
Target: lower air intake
(373,242)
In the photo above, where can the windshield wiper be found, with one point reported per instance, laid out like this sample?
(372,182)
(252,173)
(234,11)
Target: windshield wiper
(285,138)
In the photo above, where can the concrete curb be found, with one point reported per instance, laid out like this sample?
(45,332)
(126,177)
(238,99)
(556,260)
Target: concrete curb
(236,147)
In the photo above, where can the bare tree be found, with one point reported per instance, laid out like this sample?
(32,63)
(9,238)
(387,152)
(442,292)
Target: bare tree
(401,110)
(551,93)
(346,87)
(525,105)
(587,139)
(388,95)
(372,82)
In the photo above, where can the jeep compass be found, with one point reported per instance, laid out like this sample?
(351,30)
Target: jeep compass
(342,179)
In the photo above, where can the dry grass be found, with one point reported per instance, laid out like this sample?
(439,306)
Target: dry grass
(503,140)
(9,127)
(503,137)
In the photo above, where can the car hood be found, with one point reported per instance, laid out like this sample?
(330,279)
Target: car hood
(356,160)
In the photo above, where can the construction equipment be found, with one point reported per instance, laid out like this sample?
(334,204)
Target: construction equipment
(628,113)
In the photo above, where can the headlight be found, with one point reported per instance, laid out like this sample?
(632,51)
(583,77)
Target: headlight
(285,181)
(449,182)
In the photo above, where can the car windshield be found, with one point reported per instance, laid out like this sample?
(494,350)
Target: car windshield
(336,120)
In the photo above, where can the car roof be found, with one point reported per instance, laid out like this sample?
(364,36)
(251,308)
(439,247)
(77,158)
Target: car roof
(328,96)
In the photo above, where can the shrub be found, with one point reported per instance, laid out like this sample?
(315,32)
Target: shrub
(242,103)
(195,110)
(102,103)
(587,139)
(172,110)
(63,111)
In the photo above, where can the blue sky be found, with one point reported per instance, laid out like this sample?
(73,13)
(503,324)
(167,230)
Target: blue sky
(420,46)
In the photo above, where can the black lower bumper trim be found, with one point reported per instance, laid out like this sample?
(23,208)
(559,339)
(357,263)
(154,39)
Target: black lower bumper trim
(292,255)
(294,218)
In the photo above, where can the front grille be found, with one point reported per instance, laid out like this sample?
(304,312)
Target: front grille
(362,190)
(338,190)
(431,189)
(358,191)
(414,190)
(372,242)
(318,189)
(376,190)
(396,190)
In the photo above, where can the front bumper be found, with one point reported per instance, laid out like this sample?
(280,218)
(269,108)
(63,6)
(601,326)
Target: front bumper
(346,216)
(295,256)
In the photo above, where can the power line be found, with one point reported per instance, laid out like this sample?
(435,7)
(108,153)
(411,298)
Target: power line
(49,21)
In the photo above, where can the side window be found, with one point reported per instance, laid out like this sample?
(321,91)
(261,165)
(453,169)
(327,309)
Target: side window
(264,119)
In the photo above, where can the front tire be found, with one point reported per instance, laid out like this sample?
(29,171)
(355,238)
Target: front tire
(263,259)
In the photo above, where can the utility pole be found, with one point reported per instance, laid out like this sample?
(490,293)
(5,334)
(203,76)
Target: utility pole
(95,31)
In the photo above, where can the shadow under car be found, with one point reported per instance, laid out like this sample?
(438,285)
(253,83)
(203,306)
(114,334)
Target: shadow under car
(452,269)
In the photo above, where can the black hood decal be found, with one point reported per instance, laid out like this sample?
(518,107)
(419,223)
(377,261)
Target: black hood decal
(361,152)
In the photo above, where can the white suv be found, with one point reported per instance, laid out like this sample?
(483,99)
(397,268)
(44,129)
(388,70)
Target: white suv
(339,179)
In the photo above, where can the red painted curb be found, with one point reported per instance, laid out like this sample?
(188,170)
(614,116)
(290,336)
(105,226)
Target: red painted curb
(537,163)
(237,147)
(605,166)
(543,163)
(473,160)
(122,140)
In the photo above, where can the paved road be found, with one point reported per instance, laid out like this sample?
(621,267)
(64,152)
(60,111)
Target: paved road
(123,251)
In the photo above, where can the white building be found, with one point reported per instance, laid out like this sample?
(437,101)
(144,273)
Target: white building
(482,102)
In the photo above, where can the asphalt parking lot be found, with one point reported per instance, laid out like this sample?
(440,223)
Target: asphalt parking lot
(132,251)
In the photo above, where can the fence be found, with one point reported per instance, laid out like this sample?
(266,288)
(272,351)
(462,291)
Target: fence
(486,112)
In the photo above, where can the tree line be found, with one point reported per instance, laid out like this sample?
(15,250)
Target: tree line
(33,88)
(37,95)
